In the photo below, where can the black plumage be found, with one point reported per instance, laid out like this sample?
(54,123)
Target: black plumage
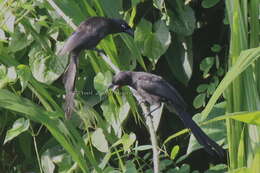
(87,36)
(155,90)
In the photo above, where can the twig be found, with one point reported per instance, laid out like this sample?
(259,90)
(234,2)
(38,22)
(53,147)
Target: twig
(60,12)
(145,109)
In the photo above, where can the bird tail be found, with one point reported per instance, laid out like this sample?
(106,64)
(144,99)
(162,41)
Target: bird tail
(69,83)
(210,146)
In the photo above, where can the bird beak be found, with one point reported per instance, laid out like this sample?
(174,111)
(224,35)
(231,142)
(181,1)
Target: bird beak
(113,87)
(130,32)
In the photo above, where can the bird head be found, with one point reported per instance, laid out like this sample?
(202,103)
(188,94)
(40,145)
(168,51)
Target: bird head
(120,25)
(121,79)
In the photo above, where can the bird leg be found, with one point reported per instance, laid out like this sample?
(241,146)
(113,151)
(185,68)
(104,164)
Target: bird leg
(157,107)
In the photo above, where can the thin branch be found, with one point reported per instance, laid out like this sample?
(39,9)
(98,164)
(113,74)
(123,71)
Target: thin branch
(145,109)
(60,12)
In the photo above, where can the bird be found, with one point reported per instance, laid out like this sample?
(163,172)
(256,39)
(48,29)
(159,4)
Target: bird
(154,90)
(86,37)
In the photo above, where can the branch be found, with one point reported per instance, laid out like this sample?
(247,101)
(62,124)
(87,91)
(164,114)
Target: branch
(145,109)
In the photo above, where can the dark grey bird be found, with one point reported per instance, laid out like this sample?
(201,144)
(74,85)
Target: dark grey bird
(87,36)
(155,90)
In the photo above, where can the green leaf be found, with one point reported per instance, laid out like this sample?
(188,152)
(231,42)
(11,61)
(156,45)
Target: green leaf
(209,3)
(24,75)
(157,43)
(202,88)
(101,82)
(217,169)
(9,20)
(130,167)
(20,125)
(199,100)
(216,48)
(183,22)
(142,32)
(46,67)
(128,141)
(19,40)
(7,75)
(255,167)
(175,151)
(47,163)
(99,140)
(245,59)
(206,65)
(179,58)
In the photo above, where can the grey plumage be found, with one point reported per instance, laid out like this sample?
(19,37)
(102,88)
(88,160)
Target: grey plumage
(87,36)
(155,90)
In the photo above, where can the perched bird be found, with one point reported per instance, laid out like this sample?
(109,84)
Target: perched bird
(87,36)
(154,90)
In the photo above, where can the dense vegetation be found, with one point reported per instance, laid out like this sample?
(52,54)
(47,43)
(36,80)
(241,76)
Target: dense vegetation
(208,49)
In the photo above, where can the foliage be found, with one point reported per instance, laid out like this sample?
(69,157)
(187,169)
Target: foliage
(106,133)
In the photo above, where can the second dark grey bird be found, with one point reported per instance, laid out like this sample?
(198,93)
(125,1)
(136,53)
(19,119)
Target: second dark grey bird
(155,90)
(87,36)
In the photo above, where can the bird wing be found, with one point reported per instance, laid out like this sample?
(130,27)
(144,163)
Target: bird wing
(87,35)
(156,85)
(77,39)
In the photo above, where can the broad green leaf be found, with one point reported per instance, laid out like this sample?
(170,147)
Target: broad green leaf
(142,32)
(179,58)
(164,164)
(183,22)
(158,42)
(19,40)
(101,82)
(99,140)
(130,167)
(209,3)
(46,67)
(20,125)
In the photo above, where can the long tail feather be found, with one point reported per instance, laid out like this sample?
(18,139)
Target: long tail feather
(69,83)
(210,146)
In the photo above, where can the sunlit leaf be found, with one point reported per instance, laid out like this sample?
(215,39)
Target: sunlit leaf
(158,42)
(9,20)
(174,152)
(46,67)
(19,126)
(99,140)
